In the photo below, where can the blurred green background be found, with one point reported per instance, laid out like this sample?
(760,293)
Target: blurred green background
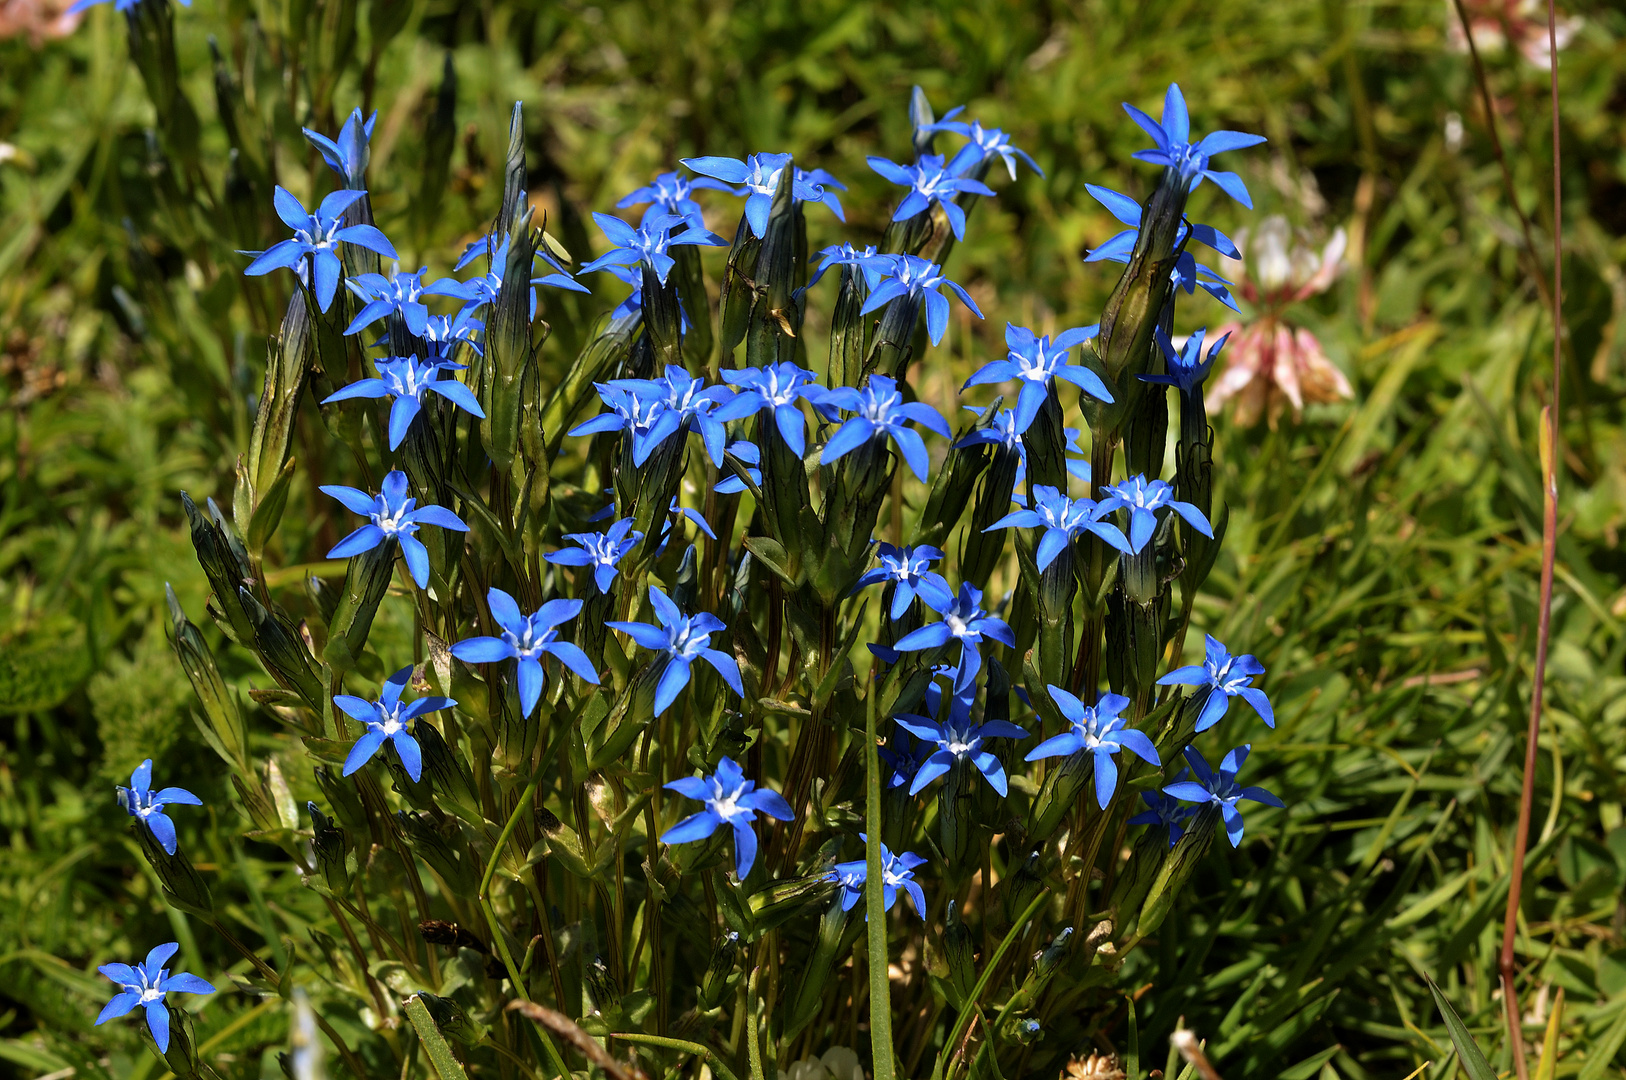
(1383,551)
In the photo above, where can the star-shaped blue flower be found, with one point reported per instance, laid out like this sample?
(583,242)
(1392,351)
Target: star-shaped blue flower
(672,194)
(1187,273)
(684,639)
(347,155)
(145,985)
(897,872)
(1100,730)
(866,260)
(407,379)
(908,570)
(880,413)
(1166,811)
(963,621)
(1187,367)
(904,758)
(911,275)
(929,181)
(1224,676)
(683,397)
(387,719)
(147,805)
(777,388)
(730,800)
(602,551)
(986,143)
(444,333)
(1221,788)
(527,639)
(316,242)
(958,739)
(395,515)
(382,296)
(482,289)
(1175,150)
(759,176)
(640,417)
(1037,362)
(1143,499)
(1062,519)
(647,244)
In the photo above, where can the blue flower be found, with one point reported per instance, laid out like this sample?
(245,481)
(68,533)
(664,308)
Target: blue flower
(347,155)
(675,509)
(1225,677)
(866,260)
(1037,362)
(881,414)
(963,621)
(316,239)
(118,5)
(911,275)
(1187,367)
(482,289)
(930,182)
(958,739)
(897,872)
(684,639)
(407,379)
(647,244)
(730,800)
(671,194)
(444,333)
(387,719)
(601,551)
(1062,519)
(147,805)
(145,984)
(904,757)
(1143,498)
(1221,788)
(1168,812)
(907,569)
(1176,151)
(1187,273)
(383,296)
(638,416)
(777,388)
(683,397)
(751,457)
(759,176)
(527,639)
(394,514)
(986,143)
(1099,729)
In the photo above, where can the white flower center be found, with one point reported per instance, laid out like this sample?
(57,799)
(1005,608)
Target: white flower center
(151,994)
(956,625)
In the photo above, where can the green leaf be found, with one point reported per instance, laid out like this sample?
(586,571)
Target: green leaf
(1473,1060)
(434,1043)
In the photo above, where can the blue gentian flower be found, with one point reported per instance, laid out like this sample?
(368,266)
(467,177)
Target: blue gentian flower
(602,551)
(1143,498)
(482,289)
(986,143)
(963,621)
(867,261)
(682,397)
(394,515)
(147,805)
(443,333)
(527,639)
(684,639)
(387,719)
(1187,273)
(911,275)
(1062,519)
(908,570)
(958,739)
(315,241)
(1168,812)
(751,457)
(1225,677)
(382,296)
(639,417)
(880,413)
(145,985)
(929,181)
(672,194)
(1176,151)
(1221,788)
(904,758)
(730,800)
(1187,367)
(347,155)
(646,245)
(120,6)
(759,176)
(407,379)
(777,388)
(1100,730)
(897,872)
(1037,362)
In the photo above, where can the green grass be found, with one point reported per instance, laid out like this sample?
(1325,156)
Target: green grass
(1381,559)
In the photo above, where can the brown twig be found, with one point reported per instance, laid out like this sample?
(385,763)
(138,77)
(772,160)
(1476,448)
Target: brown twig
(1549,541)
(572,1033)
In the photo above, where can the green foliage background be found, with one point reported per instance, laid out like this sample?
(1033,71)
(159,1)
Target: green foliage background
(1381,558)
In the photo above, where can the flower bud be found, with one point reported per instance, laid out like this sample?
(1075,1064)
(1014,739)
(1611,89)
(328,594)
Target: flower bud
(183,886)
(223,726)
(333,856)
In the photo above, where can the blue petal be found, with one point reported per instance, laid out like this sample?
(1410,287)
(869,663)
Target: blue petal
(692,828)
(361,753)
(530,679)
(673,680)
(158,1022)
